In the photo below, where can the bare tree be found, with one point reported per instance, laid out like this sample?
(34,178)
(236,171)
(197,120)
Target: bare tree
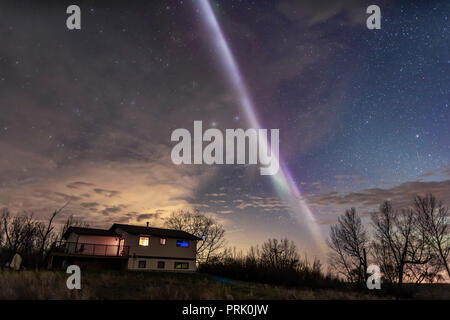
(4,214)
(349,242)
(24,234)
(207,228)
(433,218)
(383,257)
(253,255)
(21,232)
(47,237)
(279,254)
(400,240)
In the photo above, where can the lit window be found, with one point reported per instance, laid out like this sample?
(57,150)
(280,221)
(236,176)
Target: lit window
(143,241)
(181,265)
(142,264)
(183,243)
(162,241)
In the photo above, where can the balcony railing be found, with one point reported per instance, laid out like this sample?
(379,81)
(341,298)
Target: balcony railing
(93,249)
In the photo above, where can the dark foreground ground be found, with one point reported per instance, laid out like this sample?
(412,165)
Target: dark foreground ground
(158,285)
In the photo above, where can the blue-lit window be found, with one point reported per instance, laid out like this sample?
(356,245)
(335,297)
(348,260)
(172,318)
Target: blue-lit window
(183,243)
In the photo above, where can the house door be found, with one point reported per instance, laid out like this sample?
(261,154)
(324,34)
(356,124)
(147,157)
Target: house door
(121,243)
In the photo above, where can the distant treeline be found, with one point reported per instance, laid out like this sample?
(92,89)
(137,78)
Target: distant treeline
(275,262)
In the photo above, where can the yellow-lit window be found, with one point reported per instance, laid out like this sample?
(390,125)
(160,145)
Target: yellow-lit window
(144,241)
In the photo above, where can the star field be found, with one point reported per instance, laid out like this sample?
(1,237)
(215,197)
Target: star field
(86,115)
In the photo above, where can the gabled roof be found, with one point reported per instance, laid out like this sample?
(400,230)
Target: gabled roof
(158,232)
(89,231)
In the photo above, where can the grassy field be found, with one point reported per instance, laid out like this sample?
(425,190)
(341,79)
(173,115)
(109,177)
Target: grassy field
(151,285)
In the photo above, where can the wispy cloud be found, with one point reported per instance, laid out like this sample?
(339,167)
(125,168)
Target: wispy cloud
(107,193)
(79,184)
(401,195)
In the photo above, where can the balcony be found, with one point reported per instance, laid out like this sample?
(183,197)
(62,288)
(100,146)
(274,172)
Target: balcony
(92,249)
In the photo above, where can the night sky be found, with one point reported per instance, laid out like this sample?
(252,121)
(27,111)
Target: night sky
(86,115)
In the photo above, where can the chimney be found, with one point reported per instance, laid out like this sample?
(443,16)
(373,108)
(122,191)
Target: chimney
(147,224)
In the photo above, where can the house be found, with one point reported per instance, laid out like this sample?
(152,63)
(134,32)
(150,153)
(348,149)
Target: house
(126,246)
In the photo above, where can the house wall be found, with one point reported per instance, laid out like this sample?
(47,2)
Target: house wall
(73,237)
(92,245)
(168,252)
(152,264)
(112,241)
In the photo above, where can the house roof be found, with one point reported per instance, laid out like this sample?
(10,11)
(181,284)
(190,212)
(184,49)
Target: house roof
(89,231)
(159,232)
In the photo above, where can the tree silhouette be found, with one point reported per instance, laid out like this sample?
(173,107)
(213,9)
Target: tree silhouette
(434,220)
(349,243)
(207,228)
